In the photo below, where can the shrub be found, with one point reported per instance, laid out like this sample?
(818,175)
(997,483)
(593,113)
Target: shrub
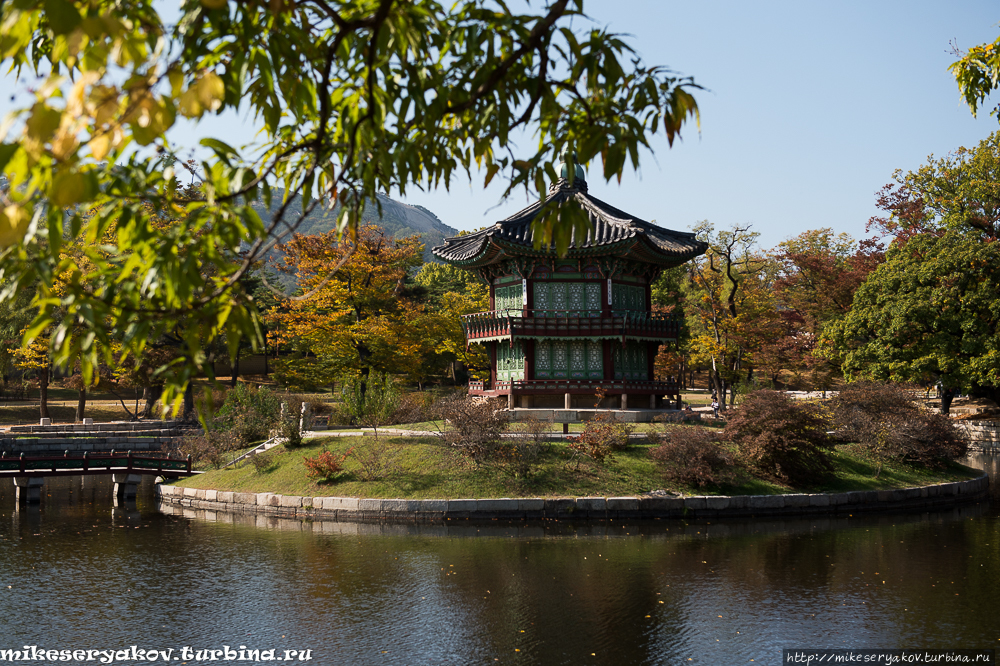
(474,427)
(325,465)
(886,425)
(781,438)
(601,437)
(370,401)
(522,452)
(248,414)
(377,460)
(693,457)
(292,422)
(263,461)
(213,447)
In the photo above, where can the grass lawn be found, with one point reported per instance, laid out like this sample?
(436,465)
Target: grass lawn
(428,470)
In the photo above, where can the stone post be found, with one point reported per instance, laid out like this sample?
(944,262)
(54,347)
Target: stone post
(28,489)
(304,417)
(624,400)
(45,421)
(567,401)
(126,485)
(652,401)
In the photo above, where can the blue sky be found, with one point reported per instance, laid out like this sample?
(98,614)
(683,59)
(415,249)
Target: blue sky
(811,107)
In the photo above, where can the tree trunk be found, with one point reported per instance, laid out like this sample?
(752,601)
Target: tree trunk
(235,372)
(189,414)
(43,392)
(81,405)
(150,394)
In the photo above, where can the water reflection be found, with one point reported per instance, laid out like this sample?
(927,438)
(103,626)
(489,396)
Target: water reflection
(79,572)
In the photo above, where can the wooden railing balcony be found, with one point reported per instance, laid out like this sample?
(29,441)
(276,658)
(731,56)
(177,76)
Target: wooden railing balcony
(536,386)
(568,323)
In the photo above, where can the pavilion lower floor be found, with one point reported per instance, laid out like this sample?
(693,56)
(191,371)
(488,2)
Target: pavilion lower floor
(592,394)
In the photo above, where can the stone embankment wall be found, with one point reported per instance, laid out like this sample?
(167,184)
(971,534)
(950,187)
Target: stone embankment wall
(983,435)
(354,509)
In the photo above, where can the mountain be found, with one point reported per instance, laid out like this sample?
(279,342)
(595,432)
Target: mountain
(398,219)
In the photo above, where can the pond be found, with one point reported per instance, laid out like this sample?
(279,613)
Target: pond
(79,574)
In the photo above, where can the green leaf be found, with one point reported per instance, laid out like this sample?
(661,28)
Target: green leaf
(62,16)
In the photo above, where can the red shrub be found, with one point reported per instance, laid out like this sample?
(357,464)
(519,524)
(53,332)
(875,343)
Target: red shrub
(781,438)
(693,457)
(326,465)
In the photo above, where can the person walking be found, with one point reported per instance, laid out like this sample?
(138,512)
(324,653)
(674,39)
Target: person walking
(715,408)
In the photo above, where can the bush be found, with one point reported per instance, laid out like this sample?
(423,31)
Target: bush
(886,425)
(214,447)
(325,465)
(601,437)
(377,460)
(263,461)
(370,401)
(694,457)
(781,438)
(474,427)
(523,451)
(248,414)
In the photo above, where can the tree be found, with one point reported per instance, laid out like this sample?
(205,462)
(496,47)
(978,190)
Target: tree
(819,272)
(451,292)
(733,310)
(977,73)
(930,311)
(35,357)
(357,319)
(353,99)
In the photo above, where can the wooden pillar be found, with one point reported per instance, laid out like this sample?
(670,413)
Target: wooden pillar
(608,359)
(493,362)
(529,359)
(651,349)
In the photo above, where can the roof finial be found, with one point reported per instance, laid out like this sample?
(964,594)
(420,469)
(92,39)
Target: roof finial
(579,179)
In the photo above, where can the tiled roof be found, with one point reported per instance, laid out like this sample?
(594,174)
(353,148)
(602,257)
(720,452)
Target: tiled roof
(610,227)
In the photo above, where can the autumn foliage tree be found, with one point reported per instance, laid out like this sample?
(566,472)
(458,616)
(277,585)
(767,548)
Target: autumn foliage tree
(731,306)
(353,313)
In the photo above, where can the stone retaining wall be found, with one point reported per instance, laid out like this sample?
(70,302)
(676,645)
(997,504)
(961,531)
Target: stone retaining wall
(47,446)
(353,509)
(983,435)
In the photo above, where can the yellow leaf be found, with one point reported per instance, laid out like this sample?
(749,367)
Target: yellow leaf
(68,188)
(100,145)
(13,225)
(190,106)
(211,91)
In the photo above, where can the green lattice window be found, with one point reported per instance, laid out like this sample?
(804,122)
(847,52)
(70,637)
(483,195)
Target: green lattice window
(509,298)
(631,361)
(559,298)
(628,297)
(510,361)
(564,359)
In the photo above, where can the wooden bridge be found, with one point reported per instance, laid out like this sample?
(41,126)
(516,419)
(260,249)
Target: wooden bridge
(126,468)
